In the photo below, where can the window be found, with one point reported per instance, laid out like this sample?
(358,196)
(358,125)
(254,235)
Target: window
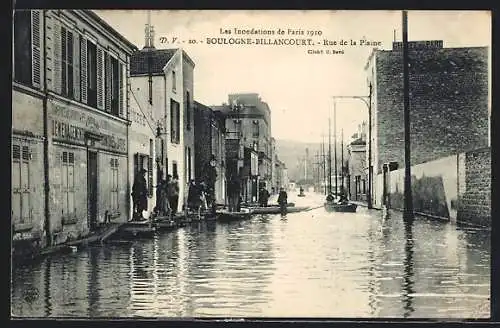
(364,186)
(114,184)
(112,85)
(237,128)
(68,185)
(67,63)
(175,172)
(91,74)
(174,82)
(21,187)
(255,131)
(174,121)
(188,111)
(27,52)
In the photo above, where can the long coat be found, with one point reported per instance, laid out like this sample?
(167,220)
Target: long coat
(140,193)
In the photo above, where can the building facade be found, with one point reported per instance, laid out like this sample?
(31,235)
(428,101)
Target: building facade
(209,148)
(448,112)
(69,89)
(162,72)
(250,118)
(357,178)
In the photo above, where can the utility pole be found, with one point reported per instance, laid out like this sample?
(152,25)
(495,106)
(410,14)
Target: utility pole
(335,141)
(324,162)
(408,214)
(329,157)
(370,166)
(342,159)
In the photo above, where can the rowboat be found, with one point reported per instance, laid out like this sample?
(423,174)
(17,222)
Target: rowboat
(276,209)
(338,207)
(233,216)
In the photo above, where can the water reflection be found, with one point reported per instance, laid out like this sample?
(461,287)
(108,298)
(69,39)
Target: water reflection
(315,265)
(408,271)
(93,284)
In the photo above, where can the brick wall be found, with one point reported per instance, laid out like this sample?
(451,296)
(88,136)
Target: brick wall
(448,103)
(475,198)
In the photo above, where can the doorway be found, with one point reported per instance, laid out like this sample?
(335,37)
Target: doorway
(92,189)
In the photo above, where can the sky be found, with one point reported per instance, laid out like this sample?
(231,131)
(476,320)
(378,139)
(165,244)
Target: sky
(298,86)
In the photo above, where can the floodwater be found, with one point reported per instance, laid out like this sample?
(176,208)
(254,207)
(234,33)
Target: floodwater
(311,264)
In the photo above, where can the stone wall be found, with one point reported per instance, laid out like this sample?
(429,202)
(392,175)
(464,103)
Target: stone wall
(474,205)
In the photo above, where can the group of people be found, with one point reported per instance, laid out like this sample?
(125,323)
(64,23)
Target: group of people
(263,197)
(199,196)
(167,195)
(341,199)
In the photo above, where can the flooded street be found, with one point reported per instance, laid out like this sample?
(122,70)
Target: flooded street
(311,264)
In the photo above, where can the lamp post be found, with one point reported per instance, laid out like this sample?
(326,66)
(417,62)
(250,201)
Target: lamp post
(367,100)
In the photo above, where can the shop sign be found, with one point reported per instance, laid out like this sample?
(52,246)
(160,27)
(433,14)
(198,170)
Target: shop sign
(74,126)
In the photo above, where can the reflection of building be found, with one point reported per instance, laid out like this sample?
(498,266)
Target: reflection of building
(69,88)
(449,115)
(163,80)
(209,132)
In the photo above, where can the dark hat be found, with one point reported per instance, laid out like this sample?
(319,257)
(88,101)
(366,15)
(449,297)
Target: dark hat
(143,170)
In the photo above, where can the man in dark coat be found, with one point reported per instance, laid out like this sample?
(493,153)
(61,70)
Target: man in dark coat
(140,194)
(173,194)
(233,190)
(283,201)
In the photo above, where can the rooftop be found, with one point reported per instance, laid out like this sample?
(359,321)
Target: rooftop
(159,58)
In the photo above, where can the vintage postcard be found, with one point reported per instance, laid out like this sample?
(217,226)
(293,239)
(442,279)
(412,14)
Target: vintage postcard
(251,164)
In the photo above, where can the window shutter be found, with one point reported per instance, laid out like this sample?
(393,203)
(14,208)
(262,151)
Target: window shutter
(56,55)
(109,81)
(150,175)
(36,41)
(83,69)
(100,78)
(76,66)
(121,97)
(64,58)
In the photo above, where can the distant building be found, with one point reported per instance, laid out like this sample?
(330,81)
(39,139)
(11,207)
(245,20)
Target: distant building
(448,113)
(356,165)
(209,149)
(250,117)
(162,79)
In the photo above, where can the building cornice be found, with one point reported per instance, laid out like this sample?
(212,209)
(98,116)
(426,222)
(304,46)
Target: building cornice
(101,26)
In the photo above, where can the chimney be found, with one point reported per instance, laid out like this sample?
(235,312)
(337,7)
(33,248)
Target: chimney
(149,34)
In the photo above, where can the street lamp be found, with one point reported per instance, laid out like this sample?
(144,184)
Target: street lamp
(367,100)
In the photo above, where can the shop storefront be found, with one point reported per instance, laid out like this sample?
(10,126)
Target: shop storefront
(87,169)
